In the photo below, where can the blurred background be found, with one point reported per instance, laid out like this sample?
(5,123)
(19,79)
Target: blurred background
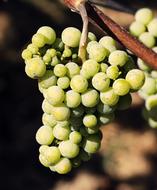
(128,156)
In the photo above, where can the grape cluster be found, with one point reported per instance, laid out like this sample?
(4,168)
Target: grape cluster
(78,99)
(145,28)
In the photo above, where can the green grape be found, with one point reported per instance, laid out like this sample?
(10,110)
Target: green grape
(44,135)
(91,144)
(76,162)
(135,78)
(84,155)
(152,123)
(38,40)
(97,52)
(92,130)
(64,166)
(147,39)
(55,61)
(48,120)
(142,94)
(109,43)
(152,27)
(103,67)
(118,58)
(61,112)
(61,131)
(137,28)
(106,118)
(90,120)
(112,72)
(105,109)
(73,69)
(94,68)
(91,36)
(48,80)
(149,86)
(63,82)
(90,98)
(154,74)
(142,65)
(68,149)
(71,37)
(47,107)
(144,15)
(33,48)
(121,87)
(58,44)
(26,54)
(79,84)
(52,52)
(48,33)
(109,97)
(75,137)
(52,168)
(151,102)
(35,68)
(90,45)
(89,110)
(67,52)
(76,123)
(124,102)
(73,99)
(42,149)
(43,160)
(83,132)
(101,82)
(47,58)
(60,70)
(55,95)
(78,111)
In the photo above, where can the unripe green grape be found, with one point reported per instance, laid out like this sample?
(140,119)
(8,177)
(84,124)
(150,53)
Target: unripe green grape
(147,39)
(71,37)
(154,74)
(63,166)
(90,98)
(38,40)
(48,80)
(89,110)
(152,123)
(79,84)
(91,36)
(91,144)
(58,44)
(135,78)
(67,53)
(137,28)
(142,65)
(118,58)
(48,33)
(61,131)
(48,120)
(90,45)
(55,61)
(52,155)
(33,48)
(75,137)
(97,52)
(103,67)
(68,149)
(94,68)
(105,109)
(42,149)
(152,27)
(121,87)
(84,155)
(144,15)
(52,168)
(26,54)
(73,69)
(55,95)
(90,120)
(63,82)
(43,160)
(106,118)
(92,130)
(112,72)
(109,43)
(47,59)
(124,102)
(44,135)
(52,52)
(151,102)
(77,112)
(47,107)
(101,81)
(61,112)
(60,70)
(72,99)
(109,97)
(35,68)
(149,86)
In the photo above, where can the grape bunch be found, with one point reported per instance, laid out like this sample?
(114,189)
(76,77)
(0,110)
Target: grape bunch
(78,97)
(145,29)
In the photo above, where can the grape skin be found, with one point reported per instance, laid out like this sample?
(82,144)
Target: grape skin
(79,84)
(90,98)
(73,99)
(64,166)
(61,131)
